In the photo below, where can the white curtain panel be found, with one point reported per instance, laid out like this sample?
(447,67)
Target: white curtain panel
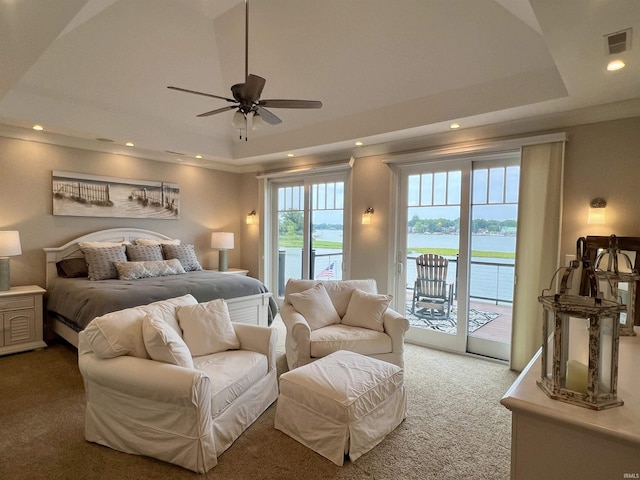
(538,244)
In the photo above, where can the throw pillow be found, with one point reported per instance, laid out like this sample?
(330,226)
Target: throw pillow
(144,253)
(117,333)
(72,268)
(207,328)
(100,261)
(166,310)
(156,268)
(120,333)
(163,343)
(185,253)
(148,241)
(315,306)
(366,310)
(84,245)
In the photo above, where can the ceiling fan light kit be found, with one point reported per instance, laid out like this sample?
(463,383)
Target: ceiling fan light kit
(246,97)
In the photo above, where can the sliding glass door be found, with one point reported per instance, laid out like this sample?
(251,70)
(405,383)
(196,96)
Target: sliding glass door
(308,229)
(457,232)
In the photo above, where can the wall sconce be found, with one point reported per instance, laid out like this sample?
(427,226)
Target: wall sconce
(597,211)
(251,217)
(9,247)
(222,241)
(366,216)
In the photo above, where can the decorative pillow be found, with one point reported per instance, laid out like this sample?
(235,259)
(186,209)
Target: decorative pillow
(315,306)
(207,328)
(148,241)
(100,261)
(166,310)
(366,310)
(72,268)
(156,268)
(120,333)
(185,253)
(84,245)
(117,333)
(144,253)
(163,343)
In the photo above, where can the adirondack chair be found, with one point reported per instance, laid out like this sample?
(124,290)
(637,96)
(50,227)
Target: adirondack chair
(432,293)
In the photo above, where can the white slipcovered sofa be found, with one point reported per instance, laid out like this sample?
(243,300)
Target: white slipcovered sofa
(175,380)
(323,317)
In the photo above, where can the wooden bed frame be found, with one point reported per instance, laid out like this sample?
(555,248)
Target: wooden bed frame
(252,309)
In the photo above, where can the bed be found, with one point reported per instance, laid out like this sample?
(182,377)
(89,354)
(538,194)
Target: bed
(71,303)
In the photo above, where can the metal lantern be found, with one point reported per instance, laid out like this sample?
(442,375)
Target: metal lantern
(580,345)
(617,281)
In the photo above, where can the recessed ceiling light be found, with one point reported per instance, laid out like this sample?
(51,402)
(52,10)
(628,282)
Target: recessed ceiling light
(130,144)
(290,155)
(359,143)
(453,126)
(198,156)
(614,65)
(38,127)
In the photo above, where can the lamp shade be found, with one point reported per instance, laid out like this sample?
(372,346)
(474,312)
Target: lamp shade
(222,240)
(10,244)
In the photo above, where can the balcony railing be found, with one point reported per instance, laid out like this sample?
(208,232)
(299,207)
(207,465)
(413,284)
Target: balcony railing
(490,281)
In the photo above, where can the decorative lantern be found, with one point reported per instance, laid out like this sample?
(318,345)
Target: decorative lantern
(580,344)
(617,281)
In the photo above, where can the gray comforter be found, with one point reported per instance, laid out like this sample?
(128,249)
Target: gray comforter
(77,301)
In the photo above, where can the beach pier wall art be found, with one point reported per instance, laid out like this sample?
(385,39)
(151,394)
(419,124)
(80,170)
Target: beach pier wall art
(82,195)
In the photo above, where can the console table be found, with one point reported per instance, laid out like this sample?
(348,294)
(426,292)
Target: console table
(554,440)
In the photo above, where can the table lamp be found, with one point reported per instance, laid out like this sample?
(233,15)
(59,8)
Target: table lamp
(9,247)
(222,241)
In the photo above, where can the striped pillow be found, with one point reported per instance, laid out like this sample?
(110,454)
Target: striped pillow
(100,261)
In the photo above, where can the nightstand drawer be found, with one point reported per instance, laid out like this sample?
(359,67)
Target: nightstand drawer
(17,303)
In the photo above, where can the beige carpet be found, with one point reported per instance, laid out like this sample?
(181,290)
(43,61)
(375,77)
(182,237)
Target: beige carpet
(456,428)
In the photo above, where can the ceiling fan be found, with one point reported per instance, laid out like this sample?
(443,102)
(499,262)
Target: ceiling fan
(246,96)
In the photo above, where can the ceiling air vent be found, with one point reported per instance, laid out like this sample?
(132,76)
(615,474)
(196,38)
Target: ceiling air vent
(618,42)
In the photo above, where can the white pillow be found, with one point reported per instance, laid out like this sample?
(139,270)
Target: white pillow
(315,306)
(120,333)
(166,310)
(117,333)
(207,328)
(150,242)
(163,344)
(366,310)
(100,244)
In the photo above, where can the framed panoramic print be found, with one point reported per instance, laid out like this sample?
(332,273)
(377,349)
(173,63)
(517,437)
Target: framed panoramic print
(82,195)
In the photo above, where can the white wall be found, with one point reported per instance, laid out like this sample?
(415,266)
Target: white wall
(602,159)
(209,201)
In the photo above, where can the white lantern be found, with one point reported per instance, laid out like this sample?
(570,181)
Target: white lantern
(617,281)
(580,338)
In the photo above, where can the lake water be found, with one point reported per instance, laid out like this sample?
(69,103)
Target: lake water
(491,278)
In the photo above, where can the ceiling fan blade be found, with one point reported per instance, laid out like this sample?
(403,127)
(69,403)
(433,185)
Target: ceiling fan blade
(201,93)
(253,87)
(219,110)
(291,103)
(267,116)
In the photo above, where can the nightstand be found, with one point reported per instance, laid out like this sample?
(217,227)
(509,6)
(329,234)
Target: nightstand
(235,271)
(21,321)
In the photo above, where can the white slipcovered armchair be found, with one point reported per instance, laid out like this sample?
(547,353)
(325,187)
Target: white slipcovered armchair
(175,380)
(323,317)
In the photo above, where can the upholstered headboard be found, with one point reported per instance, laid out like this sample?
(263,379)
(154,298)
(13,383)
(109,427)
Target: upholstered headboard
(72,250)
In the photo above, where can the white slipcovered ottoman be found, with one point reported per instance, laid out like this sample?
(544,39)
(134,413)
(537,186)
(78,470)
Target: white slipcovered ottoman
(344,403)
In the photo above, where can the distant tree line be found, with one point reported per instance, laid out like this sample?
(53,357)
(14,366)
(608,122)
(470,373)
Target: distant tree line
(445,225)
